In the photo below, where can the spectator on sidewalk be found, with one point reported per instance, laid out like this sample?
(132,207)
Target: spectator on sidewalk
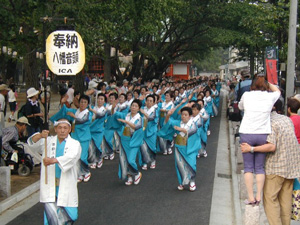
(244,84)
(12,102)
(33,111)
(11,135)
(293,106)
(63,154)
(282,167)
(255,127)
(3,92)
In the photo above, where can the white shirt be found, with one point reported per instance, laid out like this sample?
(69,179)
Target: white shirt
(257,106)
(70,94)
(11,96)
(2,102)
(129,102)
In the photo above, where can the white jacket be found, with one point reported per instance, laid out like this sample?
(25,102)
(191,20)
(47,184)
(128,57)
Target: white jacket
(68,193)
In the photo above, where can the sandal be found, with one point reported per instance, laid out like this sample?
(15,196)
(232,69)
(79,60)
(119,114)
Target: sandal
(180,187)
(257,202)
(129,181)
(247,202)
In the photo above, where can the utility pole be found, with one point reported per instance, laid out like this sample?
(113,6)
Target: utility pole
(291,50)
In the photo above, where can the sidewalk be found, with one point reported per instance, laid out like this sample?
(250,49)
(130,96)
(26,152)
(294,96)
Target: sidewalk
(22,187)
(238,186)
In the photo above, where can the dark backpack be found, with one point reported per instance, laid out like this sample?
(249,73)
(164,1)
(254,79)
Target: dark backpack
(21,111)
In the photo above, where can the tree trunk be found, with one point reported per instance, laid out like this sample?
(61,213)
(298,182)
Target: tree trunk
(31,76)
(251,52)
(79,83)
(107,63)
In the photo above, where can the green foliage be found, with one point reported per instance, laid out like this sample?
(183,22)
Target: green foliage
(160,31)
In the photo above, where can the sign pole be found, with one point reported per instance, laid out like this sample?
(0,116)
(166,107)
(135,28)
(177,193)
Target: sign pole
(46,125)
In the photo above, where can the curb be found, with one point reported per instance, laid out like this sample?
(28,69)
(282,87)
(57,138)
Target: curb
(19,196)
(235,179)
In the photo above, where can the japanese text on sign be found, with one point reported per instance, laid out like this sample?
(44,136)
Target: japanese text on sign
(68,40)
(65,53)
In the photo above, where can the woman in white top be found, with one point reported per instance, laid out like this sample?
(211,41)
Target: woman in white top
(12,102)
(255,127)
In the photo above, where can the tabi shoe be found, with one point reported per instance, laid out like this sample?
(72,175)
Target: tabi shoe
(87,177)
(205,154)
(165,153)
(198,156)
(129,181)
(208,132)
(93,166)
(80,179)
(192,186)
(137,178)
(180,187)
(144,167)
(105,157)
(112,156)
(153,165)
(100,164)
(170,151)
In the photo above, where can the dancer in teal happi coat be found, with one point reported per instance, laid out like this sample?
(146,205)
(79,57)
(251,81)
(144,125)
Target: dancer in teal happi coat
(95,158)
(187,144)
(82,119)
(148,149)
(131,141)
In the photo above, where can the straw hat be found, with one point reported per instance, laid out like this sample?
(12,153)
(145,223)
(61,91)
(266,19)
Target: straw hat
(24,120)
(4,87)
(32,92)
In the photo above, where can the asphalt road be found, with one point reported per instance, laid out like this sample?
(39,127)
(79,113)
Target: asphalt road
(106,200)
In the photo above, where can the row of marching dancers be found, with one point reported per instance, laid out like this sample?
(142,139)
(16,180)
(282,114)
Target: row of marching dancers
(140,127)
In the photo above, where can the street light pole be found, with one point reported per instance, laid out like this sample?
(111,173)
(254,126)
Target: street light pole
(46,125)
(291,49)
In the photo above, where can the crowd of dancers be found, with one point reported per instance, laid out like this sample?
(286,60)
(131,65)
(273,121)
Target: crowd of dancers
(142,121)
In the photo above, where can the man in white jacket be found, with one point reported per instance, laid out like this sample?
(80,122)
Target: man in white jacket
(58,186)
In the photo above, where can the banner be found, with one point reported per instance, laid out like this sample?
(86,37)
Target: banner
(271,65)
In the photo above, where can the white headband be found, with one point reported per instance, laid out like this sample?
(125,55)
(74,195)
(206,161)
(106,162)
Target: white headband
(56,123)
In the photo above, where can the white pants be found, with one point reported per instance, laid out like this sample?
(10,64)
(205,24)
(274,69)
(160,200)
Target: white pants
(34,152)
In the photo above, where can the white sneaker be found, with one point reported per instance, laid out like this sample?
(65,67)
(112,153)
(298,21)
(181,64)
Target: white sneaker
(137,178)
(208,132)
(144,167)
(165,153)
(198,156)
(129,181)
(205,154)
(100,164)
